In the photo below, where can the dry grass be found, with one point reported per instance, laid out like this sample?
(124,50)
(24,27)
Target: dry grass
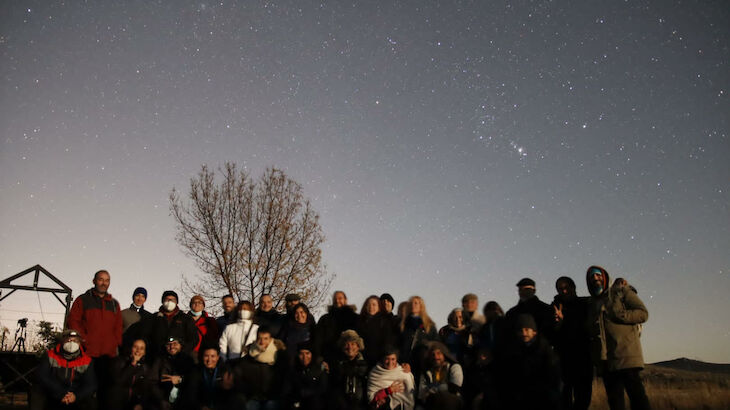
(676,389)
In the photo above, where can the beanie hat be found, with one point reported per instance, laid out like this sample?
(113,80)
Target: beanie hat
(526,321)
(526,282)
(140,290)
(386,296)
(169,293)
(305,345)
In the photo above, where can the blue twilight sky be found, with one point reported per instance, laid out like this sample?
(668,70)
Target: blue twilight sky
(449,147)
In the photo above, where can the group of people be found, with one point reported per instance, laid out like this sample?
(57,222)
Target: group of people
(536,356)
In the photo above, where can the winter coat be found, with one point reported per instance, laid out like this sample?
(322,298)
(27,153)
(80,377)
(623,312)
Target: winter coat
(232,341)
(272,320)
(540,311)
(176,324)
(260,374)
(429,385)
(570,338)
(179,365)
(329,328)
(377,334)
(294,333)
(99,322)
(207,330)
(413,340)
(614,320)
(204,390)
(529,376)
(306,386)
(132,384)
(58,375)
(348,384)
(458,340)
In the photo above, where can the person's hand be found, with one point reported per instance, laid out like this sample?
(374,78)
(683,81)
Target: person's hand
(69,398)
(325,367)
(136,357)
(175,380)
(397,387)
(558,312)
(227,382)
(406,367)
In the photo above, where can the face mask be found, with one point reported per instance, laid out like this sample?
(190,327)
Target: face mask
(245,314)
(169,305)
(71,347)
(196,314)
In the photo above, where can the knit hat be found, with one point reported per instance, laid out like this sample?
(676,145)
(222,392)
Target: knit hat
(305,345)
(169,293)
(526,321)
(350,335)
(140,290)
(526,282)
(70,333)
(386,296)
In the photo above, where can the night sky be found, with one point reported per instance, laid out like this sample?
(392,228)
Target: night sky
(449,147)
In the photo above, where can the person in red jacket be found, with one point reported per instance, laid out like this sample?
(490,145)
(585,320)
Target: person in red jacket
(207,327)
(98,319)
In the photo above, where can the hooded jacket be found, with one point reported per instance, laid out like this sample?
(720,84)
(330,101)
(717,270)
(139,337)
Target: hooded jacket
(59,374)
(614,317)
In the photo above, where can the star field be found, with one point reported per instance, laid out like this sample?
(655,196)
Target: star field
(449,147)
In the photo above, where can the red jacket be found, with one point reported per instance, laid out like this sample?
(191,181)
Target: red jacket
(207,330)
(99,321)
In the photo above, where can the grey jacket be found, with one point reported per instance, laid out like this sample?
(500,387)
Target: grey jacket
(615,319)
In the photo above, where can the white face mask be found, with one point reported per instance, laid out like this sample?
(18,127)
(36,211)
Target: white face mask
(245,314)
(169,305)
(71,346)
(196,314)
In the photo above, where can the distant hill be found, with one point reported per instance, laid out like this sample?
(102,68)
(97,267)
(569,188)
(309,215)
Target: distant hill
(694,366)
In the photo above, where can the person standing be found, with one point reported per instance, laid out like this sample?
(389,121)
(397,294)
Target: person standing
(339,317)
(234,341)
(268,317)
(171,322)
(207,327)
(96,316)
(229,313)
(614,319)
(531,305)
(572,345)
(133,318)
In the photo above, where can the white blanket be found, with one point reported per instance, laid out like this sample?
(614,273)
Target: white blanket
(381,378)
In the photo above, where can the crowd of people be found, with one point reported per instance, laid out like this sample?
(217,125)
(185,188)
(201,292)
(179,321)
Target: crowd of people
(536,356)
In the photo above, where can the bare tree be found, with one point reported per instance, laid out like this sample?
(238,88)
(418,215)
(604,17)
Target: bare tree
(251,237)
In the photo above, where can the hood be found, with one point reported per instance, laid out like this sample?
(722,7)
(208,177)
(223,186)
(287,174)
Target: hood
(592,289)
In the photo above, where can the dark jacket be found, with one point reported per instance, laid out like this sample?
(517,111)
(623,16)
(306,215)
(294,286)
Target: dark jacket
(207,327)
(529,376)
(163,326)
(272,320)
(413,341)
(59,375)
(132,384)
(457,340)
(348,384)
(179,365)
(306,386)
(329,328)
(204,389)
(570,338)
(99,321)
(540,311)
(294,333)
(377,333)
(258,380)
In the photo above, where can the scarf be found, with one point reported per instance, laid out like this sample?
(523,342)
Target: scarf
(267,356)
(381,378)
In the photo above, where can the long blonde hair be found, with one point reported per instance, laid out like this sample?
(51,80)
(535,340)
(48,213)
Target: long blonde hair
(427,322)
